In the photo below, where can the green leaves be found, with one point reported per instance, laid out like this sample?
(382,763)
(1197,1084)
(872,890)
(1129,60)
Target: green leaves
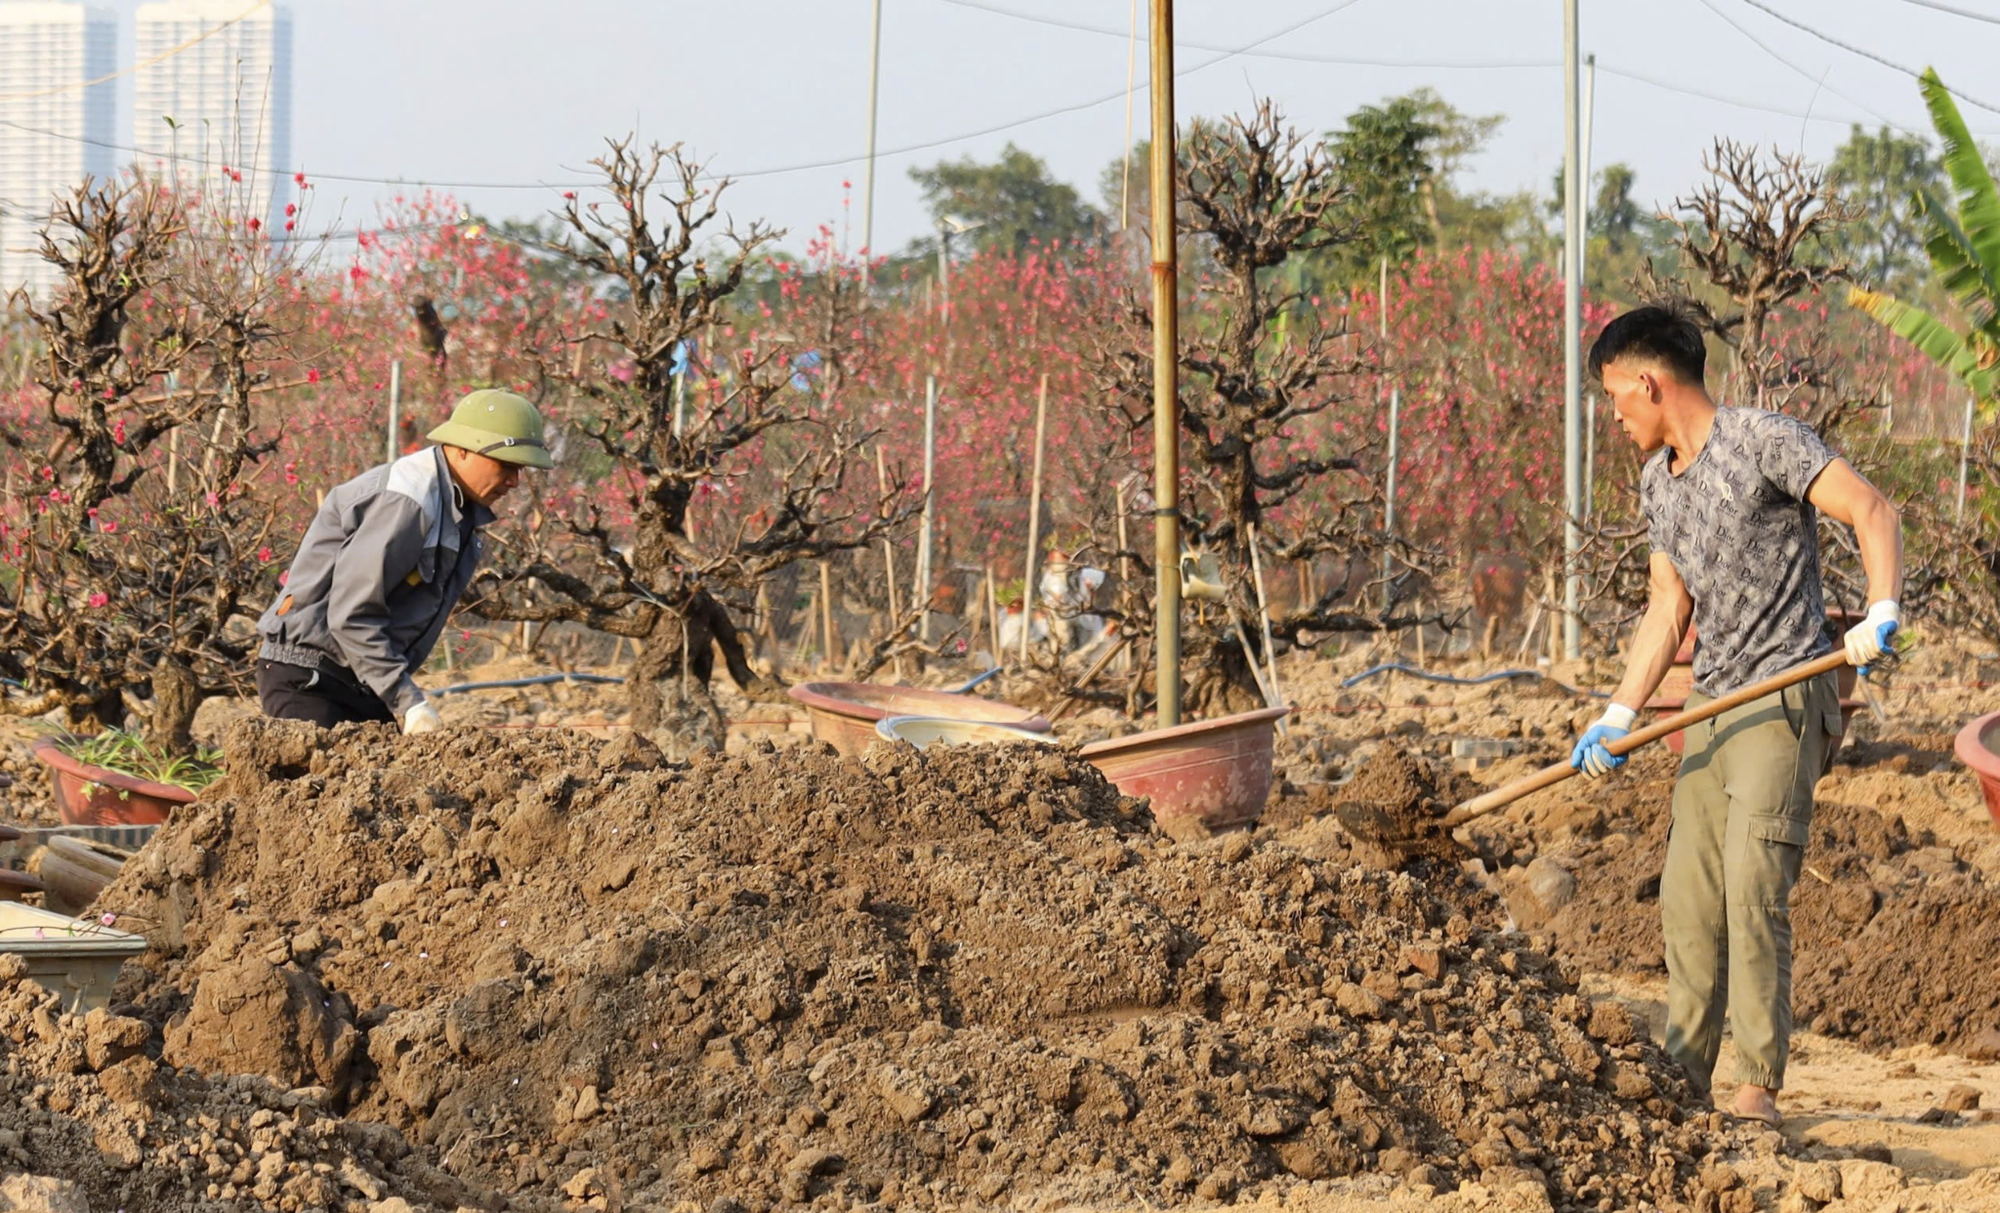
(1963,242)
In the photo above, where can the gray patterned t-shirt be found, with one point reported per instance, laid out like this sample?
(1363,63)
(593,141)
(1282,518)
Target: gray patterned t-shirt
(1738,528)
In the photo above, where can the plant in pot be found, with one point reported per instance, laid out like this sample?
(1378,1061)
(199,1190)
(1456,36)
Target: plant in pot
(116,778)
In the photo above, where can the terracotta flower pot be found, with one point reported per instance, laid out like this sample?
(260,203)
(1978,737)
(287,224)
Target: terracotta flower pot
(844,714)
(1978,747)
(1217,771)
(89,795)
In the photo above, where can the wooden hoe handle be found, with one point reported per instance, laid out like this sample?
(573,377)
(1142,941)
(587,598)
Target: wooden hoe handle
(1549,776)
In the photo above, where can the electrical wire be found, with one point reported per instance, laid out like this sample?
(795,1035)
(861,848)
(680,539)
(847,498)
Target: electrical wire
(1818,81)
(829,162)
(1852,49)
(1955,11)
(162,57)
(1293,56)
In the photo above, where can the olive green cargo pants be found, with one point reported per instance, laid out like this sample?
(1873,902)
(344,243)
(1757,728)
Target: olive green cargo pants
(1742,811)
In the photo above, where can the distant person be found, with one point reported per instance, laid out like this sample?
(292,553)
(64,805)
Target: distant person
(382,566)
(1730,496)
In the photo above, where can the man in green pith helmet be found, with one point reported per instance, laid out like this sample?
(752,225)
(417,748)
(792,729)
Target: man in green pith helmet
(383,565)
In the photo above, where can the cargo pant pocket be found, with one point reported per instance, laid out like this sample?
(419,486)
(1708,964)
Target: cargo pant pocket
(1773,852)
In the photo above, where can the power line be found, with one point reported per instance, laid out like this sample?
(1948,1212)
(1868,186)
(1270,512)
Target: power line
(164,55)
(1818,81)
(1956,11)
(1851,49)
(1293,56)
(829,162)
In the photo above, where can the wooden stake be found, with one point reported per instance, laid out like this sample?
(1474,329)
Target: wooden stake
(1034,520)
(993,617)
(827,633)
(889,560)
(1124,504)
(1264,615)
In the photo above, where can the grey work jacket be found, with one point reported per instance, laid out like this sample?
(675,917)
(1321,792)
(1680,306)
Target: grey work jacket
(377,576)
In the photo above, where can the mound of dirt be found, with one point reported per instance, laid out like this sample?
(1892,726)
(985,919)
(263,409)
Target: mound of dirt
(1893,934)
(577,970)
(107,1127)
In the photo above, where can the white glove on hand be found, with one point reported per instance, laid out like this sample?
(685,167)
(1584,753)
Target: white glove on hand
(1590,756)
(1868,641)
(421,718)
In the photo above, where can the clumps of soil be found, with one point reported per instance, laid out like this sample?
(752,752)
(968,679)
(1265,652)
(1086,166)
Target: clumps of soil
(106,1126)
(967,976)
(1391,811)
(1893,935)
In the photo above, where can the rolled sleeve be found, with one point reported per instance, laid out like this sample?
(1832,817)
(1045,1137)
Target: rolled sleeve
(381,551)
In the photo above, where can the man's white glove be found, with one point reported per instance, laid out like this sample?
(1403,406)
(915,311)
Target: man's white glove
(421,718)
(1590,755)
(1868,641)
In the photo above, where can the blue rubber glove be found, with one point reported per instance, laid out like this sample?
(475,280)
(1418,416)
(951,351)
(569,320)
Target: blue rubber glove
(1590,756)
(1868,641)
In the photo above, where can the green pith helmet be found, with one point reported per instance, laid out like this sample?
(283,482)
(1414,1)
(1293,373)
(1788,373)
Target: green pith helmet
(497,424)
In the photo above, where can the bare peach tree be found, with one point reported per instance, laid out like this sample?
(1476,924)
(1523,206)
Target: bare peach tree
(624,559)
(137,544)
(1258,367)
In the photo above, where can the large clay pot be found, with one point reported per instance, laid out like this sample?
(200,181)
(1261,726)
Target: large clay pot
(89,795)
(844,714)
(1215,771)
(1978,747)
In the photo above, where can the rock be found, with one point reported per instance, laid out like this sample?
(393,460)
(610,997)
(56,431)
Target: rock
(907,1094)
(1611,1023)
(587,1104)
(1963,1097)
(1552,885)
(1820,1182)
(1425,958)
(1984,1047)
(41,1194)
(393,1204)
(109,1039)
(1359,1002)
(1236,847)
(815,1162)
(252,1017)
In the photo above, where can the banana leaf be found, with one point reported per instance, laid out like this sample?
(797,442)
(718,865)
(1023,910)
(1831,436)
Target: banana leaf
(1972,182)
(1975,367)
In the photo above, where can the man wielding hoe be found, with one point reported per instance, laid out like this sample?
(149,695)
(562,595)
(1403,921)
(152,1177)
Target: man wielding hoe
(382,566)
(1730,496)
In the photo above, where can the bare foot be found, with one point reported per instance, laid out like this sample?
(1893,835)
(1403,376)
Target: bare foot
(1757,1103)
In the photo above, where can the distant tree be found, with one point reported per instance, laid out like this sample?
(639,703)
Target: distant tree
(1014,200)
(1881,175)
(1383,158)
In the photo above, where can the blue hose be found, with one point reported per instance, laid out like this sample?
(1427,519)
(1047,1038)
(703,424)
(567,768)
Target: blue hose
(1428,676)
(538,680)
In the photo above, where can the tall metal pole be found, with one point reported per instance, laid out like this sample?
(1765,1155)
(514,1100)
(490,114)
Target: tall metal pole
(1583,207)
(868,176)
(1964,454)
(395,409)
(924,585)
(1572,339)
(1166,367)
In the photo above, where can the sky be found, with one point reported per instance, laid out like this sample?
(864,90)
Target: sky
(774,92)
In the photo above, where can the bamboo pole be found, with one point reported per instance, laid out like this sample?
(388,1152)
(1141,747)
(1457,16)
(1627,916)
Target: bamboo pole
(1034,520)
(1166,369)
(1124,539)
(925,573)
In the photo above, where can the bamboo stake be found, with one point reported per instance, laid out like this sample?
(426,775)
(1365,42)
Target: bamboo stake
(1124,541)
(831,638)
(992,616)
(1034,520)
(889,560)
(1264,616)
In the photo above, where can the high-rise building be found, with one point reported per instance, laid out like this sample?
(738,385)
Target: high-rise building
(224,102)
(54,131)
